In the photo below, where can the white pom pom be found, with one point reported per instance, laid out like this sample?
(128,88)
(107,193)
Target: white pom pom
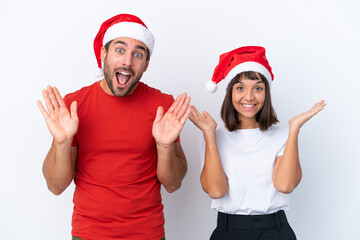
(99,73)
(211,86)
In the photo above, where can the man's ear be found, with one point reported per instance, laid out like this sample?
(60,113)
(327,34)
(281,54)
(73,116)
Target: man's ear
(146,65)
(103,53)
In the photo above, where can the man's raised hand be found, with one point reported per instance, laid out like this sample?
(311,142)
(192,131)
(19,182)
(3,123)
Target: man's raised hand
(167,127)
(62,124)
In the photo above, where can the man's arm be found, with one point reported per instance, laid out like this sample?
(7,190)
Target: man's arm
(59,164)
(59,167)
(172,166)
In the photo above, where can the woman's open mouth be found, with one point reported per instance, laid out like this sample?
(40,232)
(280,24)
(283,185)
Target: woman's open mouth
(248,107)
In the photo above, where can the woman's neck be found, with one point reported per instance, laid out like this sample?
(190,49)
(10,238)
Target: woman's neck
(248,123)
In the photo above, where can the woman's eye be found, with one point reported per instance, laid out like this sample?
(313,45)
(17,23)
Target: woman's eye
(119,50)
(139,55)
(240,88)
(259,88)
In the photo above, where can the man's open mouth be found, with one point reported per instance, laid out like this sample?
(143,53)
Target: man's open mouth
(123,77)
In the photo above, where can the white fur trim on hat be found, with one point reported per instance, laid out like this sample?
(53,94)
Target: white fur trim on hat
(248,66)
(211,86)
(99,73)
(131,30)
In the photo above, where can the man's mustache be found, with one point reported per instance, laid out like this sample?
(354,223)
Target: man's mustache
(125,69)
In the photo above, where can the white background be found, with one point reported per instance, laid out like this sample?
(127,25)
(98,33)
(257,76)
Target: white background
(312,46)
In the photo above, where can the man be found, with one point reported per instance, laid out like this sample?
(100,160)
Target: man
(116,142)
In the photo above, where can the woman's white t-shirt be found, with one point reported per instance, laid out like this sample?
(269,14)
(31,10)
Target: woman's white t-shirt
(248,157)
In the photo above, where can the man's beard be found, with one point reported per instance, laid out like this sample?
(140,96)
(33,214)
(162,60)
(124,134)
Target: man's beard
(115,92)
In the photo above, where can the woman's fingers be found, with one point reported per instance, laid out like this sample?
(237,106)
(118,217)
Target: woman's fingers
(194,111)
(317,108)
(302,118)
(206,115)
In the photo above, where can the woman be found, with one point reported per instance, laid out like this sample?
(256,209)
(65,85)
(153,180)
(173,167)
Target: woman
(251,164)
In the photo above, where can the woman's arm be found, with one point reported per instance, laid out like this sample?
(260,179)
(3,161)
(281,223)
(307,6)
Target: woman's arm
(287,170)
(213,178)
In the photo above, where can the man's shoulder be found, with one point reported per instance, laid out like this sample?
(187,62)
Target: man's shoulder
(155,93)
(81,93)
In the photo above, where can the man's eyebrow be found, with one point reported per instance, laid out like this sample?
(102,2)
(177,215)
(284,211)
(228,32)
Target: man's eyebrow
(121,42)
(141,47)
(124,43)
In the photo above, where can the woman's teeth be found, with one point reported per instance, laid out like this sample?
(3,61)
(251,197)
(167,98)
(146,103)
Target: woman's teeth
(248,106)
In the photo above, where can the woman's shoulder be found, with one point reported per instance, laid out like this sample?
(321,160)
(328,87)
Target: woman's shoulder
(222,131)
(278,130)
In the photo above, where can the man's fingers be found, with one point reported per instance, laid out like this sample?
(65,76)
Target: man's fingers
(174,105)
(184,108)
(42,110)
(185,116)
(73,110)
(53,99)
(47,100)
(179,103)
(159,114)
(59,98)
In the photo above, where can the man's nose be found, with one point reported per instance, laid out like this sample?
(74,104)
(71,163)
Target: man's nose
(126,60)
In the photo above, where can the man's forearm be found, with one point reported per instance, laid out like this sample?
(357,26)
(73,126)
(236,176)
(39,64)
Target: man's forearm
(172,166)
(58,167)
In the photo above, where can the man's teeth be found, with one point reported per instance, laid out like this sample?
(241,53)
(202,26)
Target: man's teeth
(124,73)
(248,106)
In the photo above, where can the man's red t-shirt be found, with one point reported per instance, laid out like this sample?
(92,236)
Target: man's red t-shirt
(117,194)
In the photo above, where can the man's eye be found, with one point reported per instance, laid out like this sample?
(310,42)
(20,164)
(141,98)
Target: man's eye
(119,50)
(139,55)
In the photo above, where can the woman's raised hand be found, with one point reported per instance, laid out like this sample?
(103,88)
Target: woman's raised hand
(204,122)
(62,124)
(299,120)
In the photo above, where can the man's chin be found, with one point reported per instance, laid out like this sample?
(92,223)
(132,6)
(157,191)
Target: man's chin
(122,92)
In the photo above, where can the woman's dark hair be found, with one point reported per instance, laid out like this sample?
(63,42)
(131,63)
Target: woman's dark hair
(266,117)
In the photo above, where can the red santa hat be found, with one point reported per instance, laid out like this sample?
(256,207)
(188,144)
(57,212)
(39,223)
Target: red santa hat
(250,58)
(122,25)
